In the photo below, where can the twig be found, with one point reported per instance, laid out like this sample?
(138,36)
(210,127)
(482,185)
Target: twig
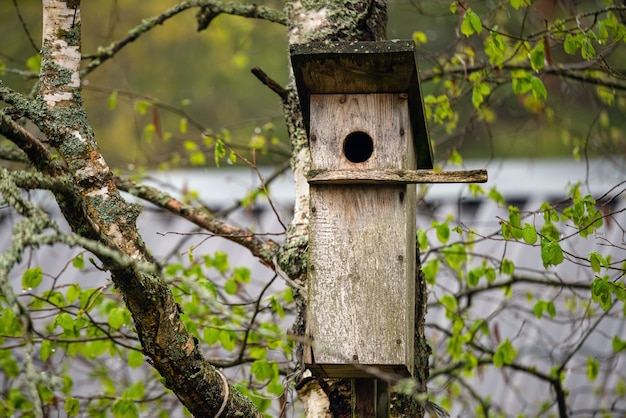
(269,82)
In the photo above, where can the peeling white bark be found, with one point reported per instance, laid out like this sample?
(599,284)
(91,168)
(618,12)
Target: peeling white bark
(57,16)
(305,21)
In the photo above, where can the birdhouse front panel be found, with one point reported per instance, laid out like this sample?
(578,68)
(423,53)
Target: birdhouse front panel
(361,289)
(361,131)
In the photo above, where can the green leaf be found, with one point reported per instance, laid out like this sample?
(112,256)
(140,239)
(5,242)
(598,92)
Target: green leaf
(571,44)
(135,392)
(587,51)
(262,369)
(538,88)
(474,275)
(597,261)
(601,292)
(419,38)
(275,387)
(32,278)
(220,151)
(471,23)
(538,308)
(593,366)
(135,358)
(422,239)
(288,295)
(78,262)
(112,101)
(228,340)
(551,253)
(182,125)
(65,321)
(519,3)
(123,408)
(443,231)
(231,286)
(45,350)
(505,354)
(618,344)
(211,335)
(537,57)
(72,406)
(496,196)
(529,233)
(34,63)
(118,317)
(507,267)
(430,270)
(73,292)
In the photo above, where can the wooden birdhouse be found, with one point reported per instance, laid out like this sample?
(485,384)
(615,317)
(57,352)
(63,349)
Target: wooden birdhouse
(368,138)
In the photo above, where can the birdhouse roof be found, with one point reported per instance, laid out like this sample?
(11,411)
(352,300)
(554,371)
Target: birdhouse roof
(363,67)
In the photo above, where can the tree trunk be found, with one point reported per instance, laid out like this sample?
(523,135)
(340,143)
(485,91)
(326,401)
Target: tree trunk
(102,214)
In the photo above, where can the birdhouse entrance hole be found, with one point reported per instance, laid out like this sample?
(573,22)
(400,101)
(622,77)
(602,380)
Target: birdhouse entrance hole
(358,147)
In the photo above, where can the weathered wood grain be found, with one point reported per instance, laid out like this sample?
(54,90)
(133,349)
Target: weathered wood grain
(391,176)
(361,279)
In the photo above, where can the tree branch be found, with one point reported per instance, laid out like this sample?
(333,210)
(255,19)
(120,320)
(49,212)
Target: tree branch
(259,248)
(209,10)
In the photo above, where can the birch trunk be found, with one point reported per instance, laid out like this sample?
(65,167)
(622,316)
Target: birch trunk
(101,213)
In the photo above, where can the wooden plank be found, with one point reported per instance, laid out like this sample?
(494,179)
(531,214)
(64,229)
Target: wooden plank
(364,398)
(374,176)
(361,291)
(382,117)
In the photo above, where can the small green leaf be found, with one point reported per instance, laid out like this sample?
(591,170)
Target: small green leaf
(135,358)
(618,344)
(474,275)
(211,335)
(443,232)
(34,63)
(593,366)
(597,261)
(117,317)
(220,151)
(471,23)
(78,262)
(538,88)
(538,308)
(507,267)
(551,253)
(231,286)
(73,292)
(529,233)
(228,340)
(72,406)
(65,321)
(505,354)
(135,392)
(537,57)
(571,44)
(182,125)
(45,350)
(419,38)
(430,270)
(422,239)
(32,278)
(112,101)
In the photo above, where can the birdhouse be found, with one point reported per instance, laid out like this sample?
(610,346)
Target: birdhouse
(363,111)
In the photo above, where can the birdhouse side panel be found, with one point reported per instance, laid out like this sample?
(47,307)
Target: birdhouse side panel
(336,119)
(362,281)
